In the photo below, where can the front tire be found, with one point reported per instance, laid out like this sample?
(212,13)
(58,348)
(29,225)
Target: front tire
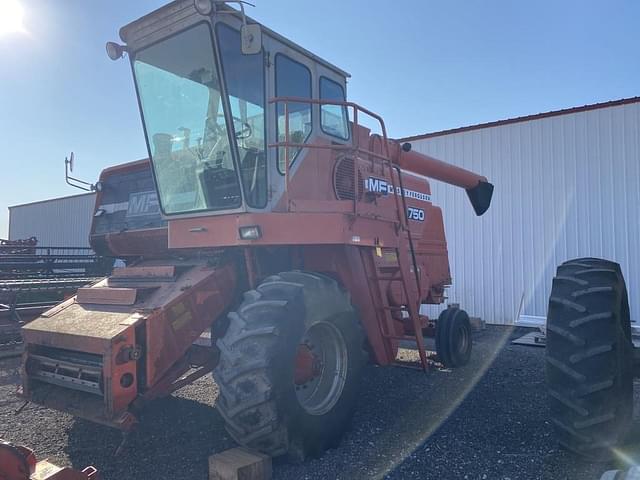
(290,366)
(589,357)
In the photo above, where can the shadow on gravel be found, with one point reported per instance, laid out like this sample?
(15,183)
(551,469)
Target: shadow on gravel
(399,410)
(501,430)
(174,440)
(487,420)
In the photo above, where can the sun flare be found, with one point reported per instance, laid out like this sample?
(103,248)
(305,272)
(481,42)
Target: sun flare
(11,17)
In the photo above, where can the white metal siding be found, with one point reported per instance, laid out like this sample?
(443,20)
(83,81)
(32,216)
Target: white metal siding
(565,186)
(60,222)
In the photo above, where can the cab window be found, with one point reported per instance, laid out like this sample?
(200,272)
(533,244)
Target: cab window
(292,80)
(333,118)
(244,76)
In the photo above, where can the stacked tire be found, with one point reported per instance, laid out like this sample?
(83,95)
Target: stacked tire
(589,357)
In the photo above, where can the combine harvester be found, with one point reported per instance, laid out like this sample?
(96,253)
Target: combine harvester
(270,217)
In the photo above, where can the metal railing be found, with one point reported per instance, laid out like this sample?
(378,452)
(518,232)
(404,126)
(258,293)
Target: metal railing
(353,147)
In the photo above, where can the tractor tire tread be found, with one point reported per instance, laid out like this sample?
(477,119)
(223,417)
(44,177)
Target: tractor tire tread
(249,374)
(588,357)
(246,400)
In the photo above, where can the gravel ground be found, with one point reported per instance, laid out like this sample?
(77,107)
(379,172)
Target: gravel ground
(484,421)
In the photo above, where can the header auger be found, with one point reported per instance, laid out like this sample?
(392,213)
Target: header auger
(266,215)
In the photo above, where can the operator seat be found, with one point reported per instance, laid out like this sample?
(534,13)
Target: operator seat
(220,186)
(253,174)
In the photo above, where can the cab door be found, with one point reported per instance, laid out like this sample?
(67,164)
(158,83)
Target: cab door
(290,74)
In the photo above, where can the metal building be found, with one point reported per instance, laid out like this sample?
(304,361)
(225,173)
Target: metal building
(567,184)
(59,222)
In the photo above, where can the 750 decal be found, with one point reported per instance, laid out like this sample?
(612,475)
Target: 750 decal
(415,214)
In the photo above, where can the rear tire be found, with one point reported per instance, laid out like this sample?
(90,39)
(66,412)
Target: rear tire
(589,357)
(263,407)
(453,337)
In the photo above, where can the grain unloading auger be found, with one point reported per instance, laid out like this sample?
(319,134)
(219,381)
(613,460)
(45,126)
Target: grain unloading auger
(270,217)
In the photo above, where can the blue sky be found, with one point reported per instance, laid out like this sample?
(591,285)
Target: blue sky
(424,65)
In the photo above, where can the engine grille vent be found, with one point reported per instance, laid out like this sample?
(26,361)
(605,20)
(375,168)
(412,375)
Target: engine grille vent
(343,180)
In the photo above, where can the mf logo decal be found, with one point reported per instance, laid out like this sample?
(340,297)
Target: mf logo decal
(378,185)
(143,203)
(415,214)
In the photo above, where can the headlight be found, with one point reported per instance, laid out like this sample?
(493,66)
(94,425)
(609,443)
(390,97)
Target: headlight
(115,51)
(250,233)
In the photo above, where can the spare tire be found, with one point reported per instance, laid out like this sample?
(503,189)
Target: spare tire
(589,357)
(453,338)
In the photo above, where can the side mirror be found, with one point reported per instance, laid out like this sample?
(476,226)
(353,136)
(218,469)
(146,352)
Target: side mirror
(115,51)
(251,35)
(76,182)
(251,39)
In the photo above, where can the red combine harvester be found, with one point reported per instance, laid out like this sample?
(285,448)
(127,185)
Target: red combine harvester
(267,216)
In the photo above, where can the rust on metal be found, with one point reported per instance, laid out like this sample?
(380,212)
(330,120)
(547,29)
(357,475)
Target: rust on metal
(83,358)
(18,462)
(107,295)
(155,272)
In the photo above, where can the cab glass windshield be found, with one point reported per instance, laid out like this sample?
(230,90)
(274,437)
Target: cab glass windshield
(180,94)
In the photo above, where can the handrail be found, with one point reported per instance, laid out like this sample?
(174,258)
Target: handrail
(354,146)
(342,103)
(400,200)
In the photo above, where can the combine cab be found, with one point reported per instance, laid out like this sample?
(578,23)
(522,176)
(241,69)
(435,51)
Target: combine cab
(267,215)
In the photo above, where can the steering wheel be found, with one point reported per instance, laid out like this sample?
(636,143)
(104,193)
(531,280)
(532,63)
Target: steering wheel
(245,132)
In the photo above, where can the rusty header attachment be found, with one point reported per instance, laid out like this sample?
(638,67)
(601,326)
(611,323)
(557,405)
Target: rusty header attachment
(478,188)
(126,340)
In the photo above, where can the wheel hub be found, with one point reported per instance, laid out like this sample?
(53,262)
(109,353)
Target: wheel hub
(321,368)
(308,365)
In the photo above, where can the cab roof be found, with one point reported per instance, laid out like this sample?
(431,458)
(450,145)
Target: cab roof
(179,10)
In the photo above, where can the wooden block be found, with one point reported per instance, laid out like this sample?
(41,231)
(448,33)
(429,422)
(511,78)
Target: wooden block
(239,464)
(45,471)
(160,272)
(107,295)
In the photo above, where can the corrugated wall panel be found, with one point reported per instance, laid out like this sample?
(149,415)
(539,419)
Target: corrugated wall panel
(58,222)
(565,186)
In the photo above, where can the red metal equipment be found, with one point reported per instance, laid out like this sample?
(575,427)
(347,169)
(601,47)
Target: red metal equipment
(20,463)
(305,241)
